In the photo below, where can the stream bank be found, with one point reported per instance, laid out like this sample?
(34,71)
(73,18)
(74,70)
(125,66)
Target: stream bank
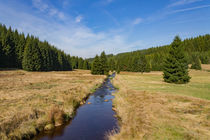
(93,120)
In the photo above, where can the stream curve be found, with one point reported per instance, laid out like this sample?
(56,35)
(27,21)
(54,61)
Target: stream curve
(92,121)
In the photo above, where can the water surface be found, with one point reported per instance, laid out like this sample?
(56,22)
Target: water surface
(92,121)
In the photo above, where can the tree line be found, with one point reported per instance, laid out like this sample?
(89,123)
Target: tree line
(172,59)
(100,65)
(175,66)
(31,54)
(196,50)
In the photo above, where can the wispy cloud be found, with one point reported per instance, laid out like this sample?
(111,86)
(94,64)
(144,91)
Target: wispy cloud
(73,38)
(103,2)
(48,9)
(137,21)
(168,11)
(189,9)
(112,17)
(40,5)
(182,2)
(109,1)
(106,2)
(65,3)
(78,19)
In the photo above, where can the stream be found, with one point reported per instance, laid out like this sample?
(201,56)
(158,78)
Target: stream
(92,121)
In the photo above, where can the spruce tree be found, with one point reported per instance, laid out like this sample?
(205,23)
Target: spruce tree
(20,50)
(32,56)
(118,67)
(8,48)
(80,63)
(74,61)
(111,64)
(148,66)
(135,64)
(39,56)
(196,64)
(104,68)
(85,65)
(95,68)
(175,66)
(142,64)
(1,55)
(60,60)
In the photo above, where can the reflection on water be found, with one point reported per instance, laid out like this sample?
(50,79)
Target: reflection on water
(92,121)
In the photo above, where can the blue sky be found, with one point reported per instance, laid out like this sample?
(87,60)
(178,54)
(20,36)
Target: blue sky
(87,27)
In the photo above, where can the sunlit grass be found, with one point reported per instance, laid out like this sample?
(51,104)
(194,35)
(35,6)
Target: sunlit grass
(29,101)
(148,108)
(199,85)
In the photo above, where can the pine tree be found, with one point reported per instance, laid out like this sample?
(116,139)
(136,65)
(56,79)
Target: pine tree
(69,62)
(74,61)
(20,50)
(8,48)
(32,55)
(61,60)
(95,68)
(142,64)
(80,63)
(85,65)
(1,55)
(196,64)
(148,66)
(39,56)
(175,66)
(118,67)
(112,64)
(104,69)
(135,64)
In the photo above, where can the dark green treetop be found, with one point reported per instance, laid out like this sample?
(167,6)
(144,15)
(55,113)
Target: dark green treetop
(104,70)
(32,55)
(175,68)
(95,69)
(196,64)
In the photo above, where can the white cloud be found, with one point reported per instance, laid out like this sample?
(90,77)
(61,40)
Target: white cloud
(182,2)
(190,9)
(48,9)
(69,36)
(40,5)
(53,12)
(78,18)
(137,21)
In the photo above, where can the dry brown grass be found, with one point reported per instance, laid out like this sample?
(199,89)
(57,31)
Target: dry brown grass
(206,67)
(157,115)
(31,100)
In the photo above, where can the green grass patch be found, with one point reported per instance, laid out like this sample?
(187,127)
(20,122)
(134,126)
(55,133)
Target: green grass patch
(199,85)
(170,132)
(92,90)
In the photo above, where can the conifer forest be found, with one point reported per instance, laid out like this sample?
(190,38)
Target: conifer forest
(29,53)
(101,79)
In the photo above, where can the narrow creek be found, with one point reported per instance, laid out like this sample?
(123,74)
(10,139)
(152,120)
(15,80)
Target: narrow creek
(92,121)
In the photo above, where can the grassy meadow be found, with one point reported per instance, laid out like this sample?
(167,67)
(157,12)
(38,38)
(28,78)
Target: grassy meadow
(149,108)
(33,101)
